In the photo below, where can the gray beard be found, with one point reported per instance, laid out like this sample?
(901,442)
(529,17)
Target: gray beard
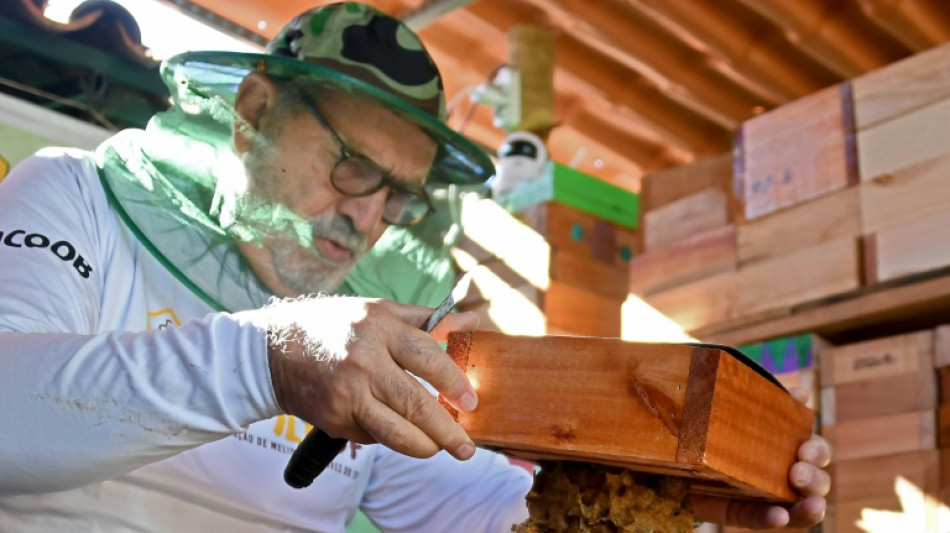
(299,265)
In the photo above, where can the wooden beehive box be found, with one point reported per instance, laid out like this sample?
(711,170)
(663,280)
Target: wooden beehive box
(677,409)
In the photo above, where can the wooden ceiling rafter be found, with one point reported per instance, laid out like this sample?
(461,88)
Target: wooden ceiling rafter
(637,42)
(613,80)
(641,85)
(837,34)
(919,25)
(752,51)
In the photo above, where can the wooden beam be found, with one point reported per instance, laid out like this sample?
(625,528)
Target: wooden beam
(922,299)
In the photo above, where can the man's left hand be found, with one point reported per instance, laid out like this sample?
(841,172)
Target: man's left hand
(806,475)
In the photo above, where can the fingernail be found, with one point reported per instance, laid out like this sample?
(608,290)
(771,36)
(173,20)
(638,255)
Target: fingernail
(465,451)
(468,402)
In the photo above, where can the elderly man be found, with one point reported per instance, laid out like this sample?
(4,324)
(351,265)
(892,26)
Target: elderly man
(147,371)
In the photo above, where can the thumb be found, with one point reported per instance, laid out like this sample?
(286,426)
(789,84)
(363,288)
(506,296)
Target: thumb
(417,316)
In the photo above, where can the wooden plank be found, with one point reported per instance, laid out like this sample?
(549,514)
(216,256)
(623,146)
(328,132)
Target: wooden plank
(798,151)
(874,477)
(702,255)
(514,311)
(904,141)
(942,347)
(902,87)
(571,230)
(901,393)
(699,303)
(883,435)
(875,359)
(668,408)
(824,219)
(906,194)
(909,248)
(663,187)
(685,218)
(833,267)
(943,426)
(943,385)
(606,279)
(581,312)
(921,300)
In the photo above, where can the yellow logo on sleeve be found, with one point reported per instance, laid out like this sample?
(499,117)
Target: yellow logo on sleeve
(162,319)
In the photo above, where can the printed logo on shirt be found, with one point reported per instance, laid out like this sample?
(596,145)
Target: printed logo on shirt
(63,250)
(290,431)
(162,319)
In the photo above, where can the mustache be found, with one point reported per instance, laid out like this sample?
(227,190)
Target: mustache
(340,229)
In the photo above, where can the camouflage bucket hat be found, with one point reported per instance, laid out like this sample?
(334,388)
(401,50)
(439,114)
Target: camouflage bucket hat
(353,48)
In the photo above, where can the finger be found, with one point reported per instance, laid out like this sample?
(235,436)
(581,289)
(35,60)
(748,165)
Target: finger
(809,480)
(390,429)
(467,321)
(807,512)
(800,393)
(429,422)
(418,353)
(742,513)
(816,451)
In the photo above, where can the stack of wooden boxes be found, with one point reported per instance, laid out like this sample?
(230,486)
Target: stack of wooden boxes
(558,265)
(687,269)
(588,269)
(902,117)
(847,187)
(834,197)
(878,401)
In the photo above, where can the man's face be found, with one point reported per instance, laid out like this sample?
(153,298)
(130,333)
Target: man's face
(292,167)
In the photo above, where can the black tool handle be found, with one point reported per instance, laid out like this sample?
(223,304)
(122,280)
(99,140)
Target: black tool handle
(311,457)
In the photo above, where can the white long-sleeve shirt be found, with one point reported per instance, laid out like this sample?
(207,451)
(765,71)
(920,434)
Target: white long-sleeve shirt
(127,404)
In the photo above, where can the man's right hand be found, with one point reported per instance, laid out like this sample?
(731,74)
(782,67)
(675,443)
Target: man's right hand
(341,364)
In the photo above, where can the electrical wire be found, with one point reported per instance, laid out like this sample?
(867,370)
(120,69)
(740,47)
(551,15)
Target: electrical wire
(99,117)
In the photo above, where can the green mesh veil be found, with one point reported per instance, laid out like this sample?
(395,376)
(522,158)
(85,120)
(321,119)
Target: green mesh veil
(178,185)
(181,188)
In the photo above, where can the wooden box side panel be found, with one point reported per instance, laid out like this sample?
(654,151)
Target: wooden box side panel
(622,399)
(581,312)
(798,151)
(901,393)
(901,87)
(696,257)
(884,435)
(874,477)
(589,274)
(686,217)
(698,303)
(669,185)
(824,219)
(904,141)
(877,358)
(754,428)
(905,195)
(910,248)
(831,268)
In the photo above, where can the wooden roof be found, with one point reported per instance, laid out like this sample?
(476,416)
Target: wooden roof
(642,85)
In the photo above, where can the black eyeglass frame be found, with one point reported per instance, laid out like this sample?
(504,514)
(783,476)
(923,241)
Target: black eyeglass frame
(395,186)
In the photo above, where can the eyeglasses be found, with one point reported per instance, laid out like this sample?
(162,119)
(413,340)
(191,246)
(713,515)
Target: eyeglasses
(355,175)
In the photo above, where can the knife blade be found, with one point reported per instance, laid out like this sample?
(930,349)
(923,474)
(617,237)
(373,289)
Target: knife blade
(318,449)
